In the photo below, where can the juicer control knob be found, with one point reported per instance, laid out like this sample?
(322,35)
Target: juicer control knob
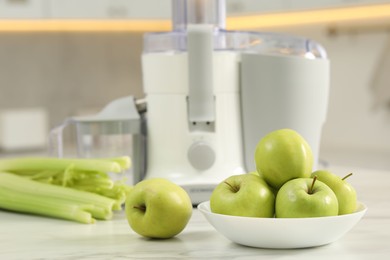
(201,156)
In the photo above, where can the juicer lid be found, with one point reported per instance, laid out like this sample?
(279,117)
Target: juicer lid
(212,12)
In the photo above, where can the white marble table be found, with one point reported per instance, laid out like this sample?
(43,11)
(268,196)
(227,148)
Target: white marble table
(32,237)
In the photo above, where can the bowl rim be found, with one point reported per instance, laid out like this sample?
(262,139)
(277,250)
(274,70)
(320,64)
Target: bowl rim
(204,207)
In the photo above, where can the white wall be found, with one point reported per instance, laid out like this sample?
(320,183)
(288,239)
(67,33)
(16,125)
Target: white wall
(66,73)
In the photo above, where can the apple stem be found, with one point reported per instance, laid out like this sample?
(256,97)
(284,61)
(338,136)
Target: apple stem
(234,189)
(348,175)
(312,185)
(141,207)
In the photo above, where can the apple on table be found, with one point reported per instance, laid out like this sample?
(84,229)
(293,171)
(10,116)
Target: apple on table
(158,208)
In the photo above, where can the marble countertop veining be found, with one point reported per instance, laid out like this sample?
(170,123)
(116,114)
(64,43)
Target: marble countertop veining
(34,237)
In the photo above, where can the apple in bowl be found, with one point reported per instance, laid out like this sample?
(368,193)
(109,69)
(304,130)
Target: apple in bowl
(305,198)
(243,195)
(345,193)
(283,155)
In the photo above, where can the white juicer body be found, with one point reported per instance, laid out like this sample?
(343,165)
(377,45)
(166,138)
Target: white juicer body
(283,92)
(195,156)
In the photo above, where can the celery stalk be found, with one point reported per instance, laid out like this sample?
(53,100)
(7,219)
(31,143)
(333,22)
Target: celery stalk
(31,164)
(101,206)
(41,175)
(95,183)
(26,203)
(90,175)
(123,161)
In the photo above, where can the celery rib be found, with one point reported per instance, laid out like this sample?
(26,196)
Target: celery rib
(123,161)
(29,164)
(26,203)
(102,206)
(81,185)
(97,183)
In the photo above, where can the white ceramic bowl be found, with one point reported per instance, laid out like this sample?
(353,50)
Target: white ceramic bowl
(282,232)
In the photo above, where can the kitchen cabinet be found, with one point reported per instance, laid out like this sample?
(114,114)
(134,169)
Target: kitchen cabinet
(79,8)
(33,237)
(310,4)
(109,9)
(22,9)
(371,1)
(307,4)
(150,9)
(236,7)
(239,7)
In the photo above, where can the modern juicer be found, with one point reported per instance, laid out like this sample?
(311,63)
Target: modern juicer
(212,94)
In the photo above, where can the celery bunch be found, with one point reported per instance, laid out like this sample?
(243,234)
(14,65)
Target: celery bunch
(51,186)
(24,195)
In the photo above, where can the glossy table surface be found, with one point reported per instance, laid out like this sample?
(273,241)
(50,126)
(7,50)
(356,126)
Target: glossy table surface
(34,237)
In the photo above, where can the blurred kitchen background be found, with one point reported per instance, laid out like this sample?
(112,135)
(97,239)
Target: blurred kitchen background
(60,58)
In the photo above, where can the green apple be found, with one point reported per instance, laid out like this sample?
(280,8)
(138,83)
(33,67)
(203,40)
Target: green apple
(245,195)
(158,208)
(274,191)
(256,174)
(305,198)
(345,193)
(283,155)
